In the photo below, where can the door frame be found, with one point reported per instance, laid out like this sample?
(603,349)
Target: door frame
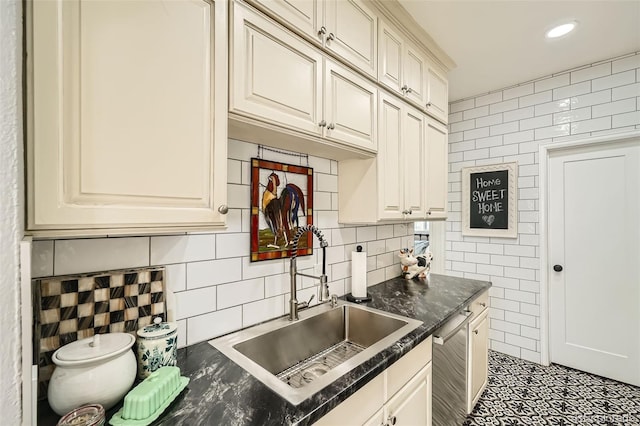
(545,151)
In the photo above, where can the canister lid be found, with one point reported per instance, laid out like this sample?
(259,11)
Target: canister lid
(91,349)
(158,329)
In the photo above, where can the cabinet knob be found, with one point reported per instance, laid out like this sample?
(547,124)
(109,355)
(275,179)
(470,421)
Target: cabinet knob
(484,305)
(223,209)
(391,420)
(331,37)
(557,268)
(331,126)
(322,123)
(406,212)
(475,331)
(429,104)
(409,90)
(429,212)
(404,88)
(322,31)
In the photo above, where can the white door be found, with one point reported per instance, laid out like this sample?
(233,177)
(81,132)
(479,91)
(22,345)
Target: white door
(594,259)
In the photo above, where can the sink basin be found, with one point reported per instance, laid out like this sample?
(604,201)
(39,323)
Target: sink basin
(297,359)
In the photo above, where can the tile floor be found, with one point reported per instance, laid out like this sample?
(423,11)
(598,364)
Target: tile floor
(524,393)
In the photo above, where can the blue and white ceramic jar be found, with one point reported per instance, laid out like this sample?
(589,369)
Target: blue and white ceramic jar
(157,346)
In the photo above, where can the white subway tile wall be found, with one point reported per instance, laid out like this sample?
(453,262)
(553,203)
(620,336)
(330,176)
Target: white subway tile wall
(588,101)
(214,286)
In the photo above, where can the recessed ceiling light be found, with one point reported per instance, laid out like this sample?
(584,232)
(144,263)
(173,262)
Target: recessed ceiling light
(560,30)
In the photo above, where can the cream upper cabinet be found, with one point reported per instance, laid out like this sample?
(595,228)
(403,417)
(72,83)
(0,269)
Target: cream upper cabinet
(400,155)
(402,67)
(478,359)
(350,107)
(436,170)
(275,76)
(351,32)
(278,79)
(437,93)
(304,15)
(348,28)
(126,116)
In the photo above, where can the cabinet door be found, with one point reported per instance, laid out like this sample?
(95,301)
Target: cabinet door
(352,33)
(126,115)
(390,160)
(377,419)
(350,107)
(436,170)
(437,94)
(415,66)
(412,405)
(390,57)
(276,77)
(359,407)
(478,363)
(413,151)
(305,15)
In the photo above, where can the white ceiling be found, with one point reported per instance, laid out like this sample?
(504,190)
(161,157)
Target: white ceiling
(496,44)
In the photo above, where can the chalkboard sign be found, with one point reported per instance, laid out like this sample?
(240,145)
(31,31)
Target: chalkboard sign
(489,200)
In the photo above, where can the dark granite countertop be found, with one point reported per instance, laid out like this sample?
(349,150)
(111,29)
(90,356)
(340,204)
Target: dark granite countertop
(221,392)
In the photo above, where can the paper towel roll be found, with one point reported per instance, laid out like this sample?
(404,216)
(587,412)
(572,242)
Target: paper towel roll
(359,273)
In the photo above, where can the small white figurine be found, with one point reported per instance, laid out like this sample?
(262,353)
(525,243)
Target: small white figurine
(413,266)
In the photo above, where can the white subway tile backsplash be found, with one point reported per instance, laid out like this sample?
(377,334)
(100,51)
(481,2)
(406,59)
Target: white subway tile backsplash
(209,326)
(518,114)
(500,151)
(100,254)
(518,91)
(552,131)
(614,108)
(593,125)
(503,106)
(523,136)
(501,129)
(476,133)
(489,120)
(176,277)
(591,72)
(476,112)
(462,126)
(182,248)
(212,272)
(589,99)
(536,122)
(462,105)
(572,90)
(232,245)
(572,115)
(627,119)
(624,92)
(624,64)
(240,292)
(42,258)
(238,196)
(491,98)
(262,310)
(326,182)
(536,98)
(195,302)
(552,82)
(520,341)
(368,233)
(615,80)
(234,171)
(261,269)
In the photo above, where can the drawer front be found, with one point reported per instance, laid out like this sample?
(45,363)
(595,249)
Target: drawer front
(408,366)
(479,304)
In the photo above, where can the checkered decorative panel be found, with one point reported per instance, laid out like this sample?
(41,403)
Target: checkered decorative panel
(70,308)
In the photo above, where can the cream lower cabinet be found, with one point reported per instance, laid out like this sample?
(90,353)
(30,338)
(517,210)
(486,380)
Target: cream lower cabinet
(126,116)
(478,347)
(401,395)
(278,79)
(436,170)
(392,186)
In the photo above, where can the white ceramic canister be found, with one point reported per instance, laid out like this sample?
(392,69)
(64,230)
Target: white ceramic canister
(157,346)
(95,370)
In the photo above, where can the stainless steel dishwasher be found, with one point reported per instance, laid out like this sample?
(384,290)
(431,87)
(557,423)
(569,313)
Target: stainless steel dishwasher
(450,371)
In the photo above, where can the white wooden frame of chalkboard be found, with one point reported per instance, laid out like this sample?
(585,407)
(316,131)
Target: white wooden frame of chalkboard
(512,214)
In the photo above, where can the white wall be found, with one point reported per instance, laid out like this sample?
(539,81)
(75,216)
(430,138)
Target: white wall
(11,207)
(217,290)
(509,125)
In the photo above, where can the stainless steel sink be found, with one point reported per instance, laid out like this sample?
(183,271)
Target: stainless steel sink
(297,359)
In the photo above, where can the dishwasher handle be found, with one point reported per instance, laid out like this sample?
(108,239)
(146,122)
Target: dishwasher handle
(451,327)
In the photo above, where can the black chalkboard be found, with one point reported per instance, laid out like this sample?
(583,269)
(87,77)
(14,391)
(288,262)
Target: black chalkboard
(489,200)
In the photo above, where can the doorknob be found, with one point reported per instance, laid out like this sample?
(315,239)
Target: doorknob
(557,268)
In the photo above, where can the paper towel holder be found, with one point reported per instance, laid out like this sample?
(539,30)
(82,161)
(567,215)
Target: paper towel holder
(351,298)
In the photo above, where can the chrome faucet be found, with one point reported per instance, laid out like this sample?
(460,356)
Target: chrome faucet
(294,305)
